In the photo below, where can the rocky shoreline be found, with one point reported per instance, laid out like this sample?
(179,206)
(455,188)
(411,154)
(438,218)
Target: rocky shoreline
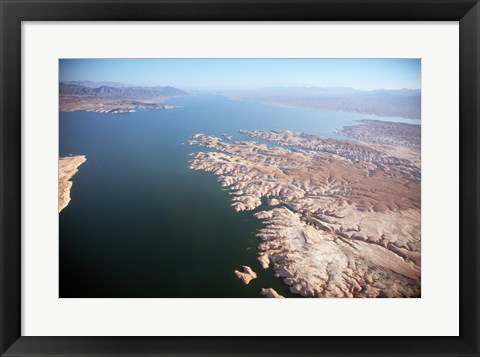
(67,167)
(342,217)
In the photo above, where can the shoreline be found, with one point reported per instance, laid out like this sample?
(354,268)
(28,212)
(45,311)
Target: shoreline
(67,168)
(320,203)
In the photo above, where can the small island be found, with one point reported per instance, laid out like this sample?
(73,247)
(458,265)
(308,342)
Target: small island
(67,167)
(247,275)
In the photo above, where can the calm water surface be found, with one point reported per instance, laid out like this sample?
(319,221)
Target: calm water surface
(141,224)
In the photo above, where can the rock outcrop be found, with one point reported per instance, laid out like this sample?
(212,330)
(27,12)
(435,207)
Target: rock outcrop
(342,217)
(67,167)
(247,275)
(270,293)
(264,260)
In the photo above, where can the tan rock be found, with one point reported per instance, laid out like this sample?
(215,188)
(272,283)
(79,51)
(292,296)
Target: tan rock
(67,167)
(311,235)
(247,275)
(273,202)
(264,261)
(349,224)
(270,293)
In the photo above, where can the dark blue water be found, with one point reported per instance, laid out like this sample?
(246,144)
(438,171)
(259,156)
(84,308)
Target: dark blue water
(141,224)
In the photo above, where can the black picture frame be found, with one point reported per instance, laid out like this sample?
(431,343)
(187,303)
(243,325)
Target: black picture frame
(13,12)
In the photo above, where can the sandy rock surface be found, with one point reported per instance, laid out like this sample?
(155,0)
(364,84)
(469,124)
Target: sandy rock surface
(67,167)
(346,219)
(270,293)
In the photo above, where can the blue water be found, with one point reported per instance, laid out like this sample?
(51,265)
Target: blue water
(141,224)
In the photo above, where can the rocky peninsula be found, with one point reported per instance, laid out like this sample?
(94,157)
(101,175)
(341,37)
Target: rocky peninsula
(67,167)
(341,217)
(270,293)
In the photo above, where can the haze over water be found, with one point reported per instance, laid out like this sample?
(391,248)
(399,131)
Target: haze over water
(142,224)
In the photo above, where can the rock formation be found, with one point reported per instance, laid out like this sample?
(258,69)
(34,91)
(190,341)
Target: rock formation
(346,219)
(247,275)
(270,293)
(67,167)
(264,260)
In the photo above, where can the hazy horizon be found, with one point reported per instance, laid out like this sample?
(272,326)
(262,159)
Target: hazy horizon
(248,74)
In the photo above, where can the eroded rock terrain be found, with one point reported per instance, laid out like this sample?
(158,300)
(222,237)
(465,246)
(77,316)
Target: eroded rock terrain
(341,218)
(67,167)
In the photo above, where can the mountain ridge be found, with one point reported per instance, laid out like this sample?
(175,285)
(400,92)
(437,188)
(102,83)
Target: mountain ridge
(108,99)
(405,103)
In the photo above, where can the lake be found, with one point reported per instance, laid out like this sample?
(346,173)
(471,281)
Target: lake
(141,224)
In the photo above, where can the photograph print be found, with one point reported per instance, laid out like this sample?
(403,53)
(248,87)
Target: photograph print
(239,178)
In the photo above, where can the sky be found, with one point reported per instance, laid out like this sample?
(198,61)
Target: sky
(361,74)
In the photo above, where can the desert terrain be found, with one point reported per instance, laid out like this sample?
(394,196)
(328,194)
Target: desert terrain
(341,217)
(67,167)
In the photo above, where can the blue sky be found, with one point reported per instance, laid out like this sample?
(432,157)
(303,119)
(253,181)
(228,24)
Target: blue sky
(364,74)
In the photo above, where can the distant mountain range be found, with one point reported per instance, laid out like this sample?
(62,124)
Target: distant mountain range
(92,84)
(67,89)
(405,103)
(104,98)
